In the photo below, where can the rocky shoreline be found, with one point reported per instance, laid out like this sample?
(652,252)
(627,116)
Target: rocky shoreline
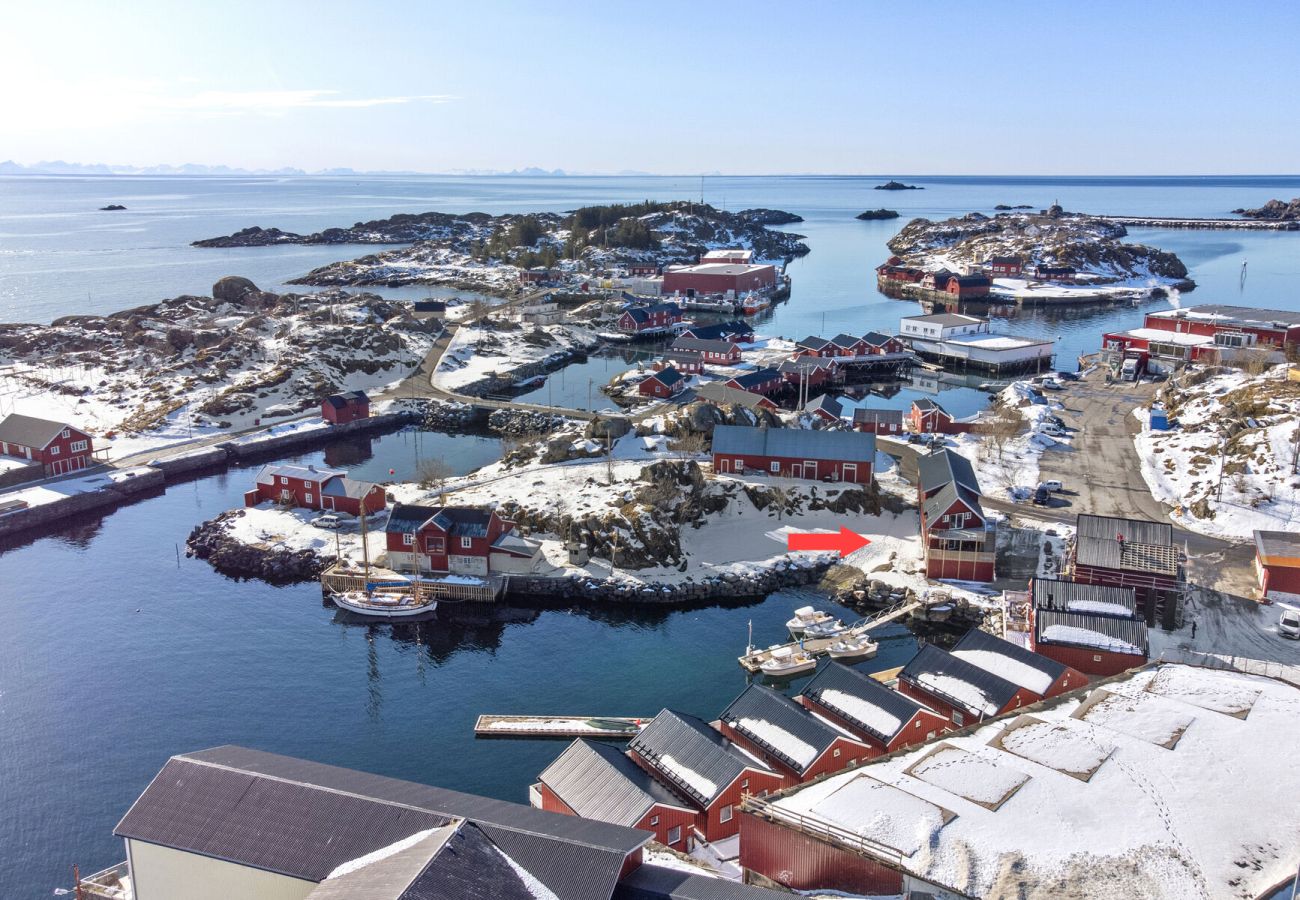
(1274,210)
(211,541)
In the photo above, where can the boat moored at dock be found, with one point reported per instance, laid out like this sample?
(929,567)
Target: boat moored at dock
(804,617)
(385,605)
(786,662)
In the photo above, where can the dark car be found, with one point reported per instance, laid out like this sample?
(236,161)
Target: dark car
(1068,376)
(1041,496)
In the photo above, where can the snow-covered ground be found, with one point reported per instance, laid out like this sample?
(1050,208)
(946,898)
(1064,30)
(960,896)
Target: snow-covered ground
(476,353)
(275,527)
(52,491)
(1240,425)
(1007,467)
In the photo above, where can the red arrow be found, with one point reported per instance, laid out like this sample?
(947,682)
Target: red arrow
(844,543)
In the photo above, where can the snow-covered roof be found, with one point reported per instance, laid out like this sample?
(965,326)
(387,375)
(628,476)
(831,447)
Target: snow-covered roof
(958,682)
(268,474)
(861,700)
(1158,335)
(1077,596)
(1010,661)
(1233,315)
(780,726)
(1096,632)
(698,760)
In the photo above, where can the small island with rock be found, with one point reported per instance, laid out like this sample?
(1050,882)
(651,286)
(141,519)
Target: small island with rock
(898,186)
(874,214)
(1003,207)
(112,207)
(1274,211)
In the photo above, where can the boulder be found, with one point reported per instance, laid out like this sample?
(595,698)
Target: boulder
(232,289)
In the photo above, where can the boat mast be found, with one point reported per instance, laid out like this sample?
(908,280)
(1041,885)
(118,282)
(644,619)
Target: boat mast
(365,544)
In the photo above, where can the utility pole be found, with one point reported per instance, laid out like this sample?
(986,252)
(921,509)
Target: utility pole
(1218,496)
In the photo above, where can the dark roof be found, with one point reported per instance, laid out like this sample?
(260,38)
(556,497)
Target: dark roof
(643,313)
(720,329)
(29,431)
(711,345)
(689,744)
(790,725)
(972,280)
(942,500)
(1055,270)
(934,661)
(1146,546)
(408,517)
(847,680)
(945,467)
(982,641)
(1006,260)
(1237,315)
(667,377)
(941,276)
(1143,531)
(464,521)
(717,392)
(650,882)
(883,416)
(468,867)
(845,341)
(813,343)
(1093,632)
(806,364)
(304,819)
(925,404)
(598,781)
(757,377)
(876,338)
(1074,596)
(1277,547)
(850,446)
(339,401)
(827,402)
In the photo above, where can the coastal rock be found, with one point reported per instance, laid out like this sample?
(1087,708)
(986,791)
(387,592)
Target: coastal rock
(1002,207)
(898,186)
(873,214)
(211,541)
(112,207)
(232,289)
(1274,210)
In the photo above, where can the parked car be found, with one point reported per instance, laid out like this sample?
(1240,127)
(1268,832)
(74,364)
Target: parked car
(327,521)
(1068,376)
(1288,624)
(1051,485)
(1051,384)
(1041,496)
(1051,428)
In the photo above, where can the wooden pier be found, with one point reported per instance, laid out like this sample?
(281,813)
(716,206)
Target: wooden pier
(336,580)
(595,727)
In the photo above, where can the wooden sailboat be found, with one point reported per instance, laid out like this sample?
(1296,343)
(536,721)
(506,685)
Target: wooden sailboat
(383,605)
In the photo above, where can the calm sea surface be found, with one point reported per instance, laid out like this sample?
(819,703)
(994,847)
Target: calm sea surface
(115,653)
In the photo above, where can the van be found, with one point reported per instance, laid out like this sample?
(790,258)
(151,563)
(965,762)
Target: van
(1051,428)
(1288,624)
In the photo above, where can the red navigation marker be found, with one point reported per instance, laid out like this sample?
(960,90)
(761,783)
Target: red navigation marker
(844,543)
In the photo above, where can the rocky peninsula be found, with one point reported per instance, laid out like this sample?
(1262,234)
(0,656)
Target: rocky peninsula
(1274,211)
(874,214)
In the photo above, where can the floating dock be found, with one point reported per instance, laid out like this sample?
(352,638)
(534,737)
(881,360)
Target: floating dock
(597,727)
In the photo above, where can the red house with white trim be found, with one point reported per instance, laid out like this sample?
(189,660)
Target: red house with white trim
(883,719)
(1005,267)
(1098,645)
(307,487)
(959,540)
(663,384)
(340,409)
(658,317)
(715,352)
(794,453)
(59,447)
(928,417)
(808,370)
(461,540)
(1231,327)
(878,343)
(1038,673)
(760,381)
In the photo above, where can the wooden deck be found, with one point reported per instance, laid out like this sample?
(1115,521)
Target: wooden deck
(596,727)
(336,580)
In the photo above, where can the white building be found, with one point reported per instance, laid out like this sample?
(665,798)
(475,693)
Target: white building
(542,314)
(967,342)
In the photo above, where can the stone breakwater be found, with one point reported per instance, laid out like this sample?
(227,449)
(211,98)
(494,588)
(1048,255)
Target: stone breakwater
(212,541)
(1208,224)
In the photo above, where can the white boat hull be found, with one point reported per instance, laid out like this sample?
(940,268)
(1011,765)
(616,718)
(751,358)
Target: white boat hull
(405,608)
(865,651)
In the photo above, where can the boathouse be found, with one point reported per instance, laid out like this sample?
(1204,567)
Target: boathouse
(698,763)
(1060,274)
(960,690)
(883,719)
(58,447)
(712,351)
(1096,645)
(1277,564)
(663,384)
(814,346)
(1005,267)
(848,345)
(688,362)
(789,738)
(879,343)
(928,417)
(340,409)
(811,371)
(600,781)
(794,453)
(760,381)
(935,281)
(728,279)
(1035,672)
(888,422)
(959,540)
(1077,597)
(460,540)
(968,342)
(725,397)
(968,287)
(827,408)
(1163,350)
(656,318)
(1132,553)
(735,331)
(307,487)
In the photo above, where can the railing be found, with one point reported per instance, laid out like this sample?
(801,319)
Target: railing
(1268,669)
(113,883)
(829,831)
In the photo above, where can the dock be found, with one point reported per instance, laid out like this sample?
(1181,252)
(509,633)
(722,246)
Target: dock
(337,579)
(753,660)
(596,727)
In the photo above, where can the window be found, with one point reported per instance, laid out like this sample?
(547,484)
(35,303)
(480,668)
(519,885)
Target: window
(66,433)
(724,815)
(744,783)
(918,724)
(408,539)
(836,754)
(307,498)
(54,451)
(958,718)
(283,480)
(435,545)
(466,543)
(674,834)
(78,446)
(775,466)
(654,820)
(1096,657)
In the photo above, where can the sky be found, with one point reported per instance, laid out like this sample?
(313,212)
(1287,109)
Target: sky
(1050,88)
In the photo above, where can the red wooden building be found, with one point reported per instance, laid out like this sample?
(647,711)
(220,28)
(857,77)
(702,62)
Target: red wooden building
(808,370)
(340,409)
(1277,562)
(814,346)
(1097,645)
(1062,274)
(879,343)
(1036,672)
(57,446)
(878,421)
(848,345)
(760,381)
(894,270)
(665,383)
(1130,553)
(1232,327)
(684,361)
(718,278)
(310,488)
(789,738)
(883,719)
(457,539)
(967,287)
(698,763)
(936,281)
(794,453)
(715,351)
(642,270)
(726,397)
(733,255)
(658,317)
(803,862)
(960,542)
(928,417)
(1005,267)
(827,408)
(962,692)
(736,331)
(599,781)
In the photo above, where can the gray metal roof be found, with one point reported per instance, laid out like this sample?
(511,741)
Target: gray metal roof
(717,392)
(847,680)
(1066,595)
(1130,555)
(391,877)
(1093,632)
(304,819)
(812,342)
(469,867)
(877,338)
(667,376)
(975,639)
(1141,531)
(598,781)
(1236,315)
(934,470)
(795,442)
(711,345)
(1277,545)
(879,416)
(828,402)
(791,725)
(674,741)
(757,377)
(720,329)
(936,661)
(29,431)
(944,319)
(806,364)
(342,486)
(845,341)
(408,517)
(268,474)
(650,882)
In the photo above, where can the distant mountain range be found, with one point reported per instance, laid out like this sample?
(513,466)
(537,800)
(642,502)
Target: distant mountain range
(59,167)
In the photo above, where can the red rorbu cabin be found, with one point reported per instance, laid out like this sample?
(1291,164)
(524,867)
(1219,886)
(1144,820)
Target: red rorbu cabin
(59,447)
(340,409)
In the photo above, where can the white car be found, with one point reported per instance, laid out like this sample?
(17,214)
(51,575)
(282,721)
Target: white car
(1051,428)
(1288,624)
(1052,485)
(327,521)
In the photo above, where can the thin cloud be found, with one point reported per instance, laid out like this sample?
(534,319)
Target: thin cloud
(277,101)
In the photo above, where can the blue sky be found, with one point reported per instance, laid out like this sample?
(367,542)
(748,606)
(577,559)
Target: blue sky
(663,87)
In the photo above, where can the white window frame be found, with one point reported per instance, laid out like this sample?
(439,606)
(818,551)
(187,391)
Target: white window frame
(284,480)
(66,433)
(725,813)
(775,466)
(675,830)
(654,820)
(466,543)
(958,718)
(306,498)
(54,450)
(78,446)
(408,539)
(836,754)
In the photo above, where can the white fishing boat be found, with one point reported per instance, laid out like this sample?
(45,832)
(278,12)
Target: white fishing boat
(384,606)
(786,661)
(853,647)
(805,616)
(828,628)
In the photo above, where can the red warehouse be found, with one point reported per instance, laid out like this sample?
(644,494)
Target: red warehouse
(715,351)
(781,851)
(1277,562)
(649,319)
(1038,673)
(643,270)
(60,448)
(968,287)
(794,453)
(1097,645)
(808,370)
(960,542)
(878,421)
(664,383)
(787,737)
(461,540)
(340,409)
(684,361)
(1005,267)
(599,781)
(734,256)
(703,766)
(1232,327)
(735,331)
(1130,553)
(718,278)
(760,381)
(928,417)
(310,488)
(1076,597)
(883,719)
(963,692)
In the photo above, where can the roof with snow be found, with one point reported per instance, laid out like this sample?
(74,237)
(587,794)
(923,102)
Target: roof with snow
(729,255)
(720,330)
(306,820)
(340,401)
(29,431)
(705,345)
(780,726)
(651,882)
(1073,629)
(699,761)
(599,781)
(806,364)
(1234,315)
(961,684)
(268,474)
(1075,596)
(945,320)
(795,442)
(1013,662)
(862,700)
(719,268)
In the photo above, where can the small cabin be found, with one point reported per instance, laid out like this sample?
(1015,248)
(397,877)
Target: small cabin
(665,383)
(340,409)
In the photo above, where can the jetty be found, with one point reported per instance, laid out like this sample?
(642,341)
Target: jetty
(752,661)
(337,579)
(1224,224)
(596,727)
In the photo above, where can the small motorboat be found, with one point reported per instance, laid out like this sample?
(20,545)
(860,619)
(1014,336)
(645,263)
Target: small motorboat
(786,661)
(828,628)
(384,606)
(805,616)
(853,647)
